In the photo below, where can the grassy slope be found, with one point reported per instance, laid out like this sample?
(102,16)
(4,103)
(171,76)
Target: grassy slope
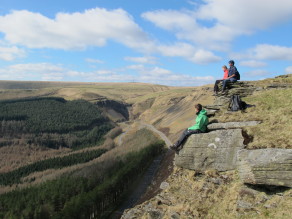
(274,108)
(173,110)
(192,196)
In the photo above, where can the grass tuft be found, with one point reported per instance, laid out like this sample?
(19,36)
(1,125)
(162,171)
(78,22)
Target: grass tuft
(274,109)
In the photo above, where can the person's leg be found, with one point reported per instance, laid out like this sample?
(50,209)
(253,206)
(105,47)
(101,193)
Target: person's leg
(225,84)
(185,135)
(232,80)
(216,88)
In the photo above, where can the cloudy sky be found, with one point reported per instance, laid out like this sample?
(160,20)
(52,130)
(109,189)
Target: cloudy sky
(172,42)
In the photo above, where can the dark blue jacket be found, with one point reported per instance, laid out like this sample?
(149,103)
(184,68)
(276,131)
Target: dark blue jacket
(232,70)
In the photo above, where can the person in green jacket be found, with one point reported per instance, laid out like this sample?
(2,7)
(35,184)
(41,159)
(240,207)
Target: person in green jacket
(200,127)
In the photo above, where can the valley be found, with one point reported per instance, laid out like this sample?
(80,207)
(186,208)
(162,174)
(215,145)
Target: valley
(87,138)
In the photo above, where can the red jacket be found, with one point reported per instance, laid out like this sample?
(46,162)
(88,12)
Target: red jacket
(225,74)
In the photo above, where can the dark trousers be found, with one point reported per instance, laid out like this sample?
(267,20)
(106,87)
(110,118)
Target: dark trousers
(226,81)
(216,88)
(185,135)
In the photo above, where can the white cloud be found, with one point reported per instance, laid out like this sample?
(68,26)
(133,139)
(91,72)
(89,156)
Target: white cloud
(136,67)
(157,72)
(35,71)
(266,52)
(157,75)
(11,53)
(67,31)
(271,52)
(226,20)
(246,15)
(51,72)
(97,61)
(204,57)
(177,49)
(288,70)
(103,72)
(143,60)
(176,80)
(253,63)
(189,52)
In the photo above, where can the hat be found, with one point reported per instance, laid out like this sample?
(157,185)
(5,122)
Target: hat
(231,62)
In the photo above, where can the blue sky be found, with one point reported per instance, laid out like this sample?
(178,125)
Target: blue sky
(172,42)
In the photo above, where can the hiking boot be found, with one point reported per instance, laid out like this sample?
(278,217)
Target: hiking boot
(173,147)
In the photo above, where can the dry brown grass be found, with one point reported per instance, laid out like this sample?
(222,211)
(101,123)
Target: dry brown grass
(193,196)
(174,109)
(274,109)
(12,157)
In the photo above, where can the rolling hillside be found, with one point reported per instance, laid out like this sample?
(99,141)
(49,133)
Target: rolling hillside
(128,105)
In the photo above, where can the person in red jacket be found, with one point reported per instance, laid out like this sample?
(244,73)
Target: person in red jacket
(225,76)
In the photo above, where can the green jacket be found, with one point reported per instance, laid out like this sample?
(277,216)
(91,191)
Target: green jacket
(201,121)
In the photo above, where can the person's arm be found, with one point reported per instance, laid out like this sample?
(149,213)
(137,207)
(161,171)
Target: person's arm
(198,125)
(225,76)
(232,72)
(231,76)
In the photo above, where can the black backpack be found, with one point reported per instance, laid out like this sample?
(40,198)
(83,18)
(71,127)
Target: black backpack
(237,75)
(236,103)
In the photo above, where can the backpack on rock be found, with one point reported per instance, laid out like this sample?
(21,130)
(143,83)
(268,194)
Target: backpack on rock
(236,103)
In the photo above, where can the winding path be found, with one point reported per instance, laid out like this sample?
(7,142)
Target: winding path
(151,128)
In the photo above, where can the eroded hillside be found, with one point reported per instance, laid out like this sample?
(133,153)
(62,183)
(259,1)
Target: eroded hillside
(213,194)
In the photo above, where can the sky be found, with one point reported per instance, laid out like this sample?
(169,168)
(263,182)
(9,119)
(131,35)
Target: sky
(169,42)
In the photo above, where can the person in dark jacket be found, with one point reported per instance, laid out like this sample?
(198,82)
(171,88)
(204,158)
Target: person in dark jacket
(231,75)
(200,127)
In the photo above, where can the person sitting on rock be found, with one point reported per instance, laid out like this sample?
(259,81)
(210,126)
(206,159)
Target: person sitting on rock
(225,70)
(232,77)
(200,127)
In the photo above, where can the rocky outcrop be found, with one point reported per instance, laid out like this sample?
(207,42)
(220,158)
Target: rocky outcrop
(230,125)
(266,166)
(241,88)
(213,150)
(223,150)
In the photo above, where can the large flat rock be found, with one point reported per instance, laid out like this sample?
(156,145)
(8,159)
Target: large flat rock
(266,166)
(230,125)
(213,150)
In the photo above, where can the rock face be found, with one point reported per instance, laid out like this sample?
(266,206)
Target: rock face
(215,150)
(230,125)
(241,88)
(266,166)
